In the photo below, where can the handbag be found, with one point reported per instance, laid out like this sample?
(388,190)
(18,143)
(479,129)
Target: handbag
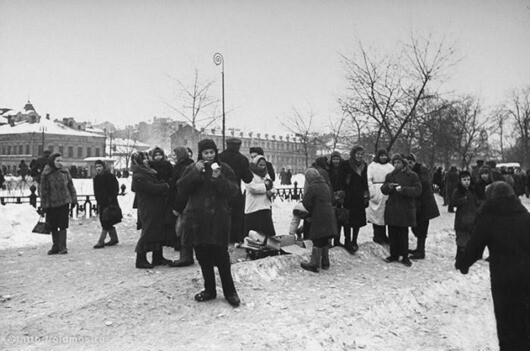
(112,214)
(42,227)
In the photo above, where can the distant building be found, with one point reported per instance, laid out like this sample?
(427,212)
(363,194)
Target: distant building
(282,151)
(26,135)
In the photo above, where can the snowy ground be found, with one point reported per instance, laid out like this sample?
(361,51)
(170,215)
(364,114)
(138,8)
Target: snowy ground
(96,299)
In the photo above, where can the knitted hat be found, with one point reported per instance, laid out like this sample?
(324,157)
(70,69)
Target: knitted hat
(99,162)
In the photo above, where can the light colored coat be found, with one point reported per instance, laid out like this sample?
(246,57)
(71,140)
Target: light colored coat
(375,213)
(256,197)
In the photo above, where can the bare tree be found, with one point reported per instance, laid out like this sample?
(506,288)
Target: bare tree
(518,107)
(387,91)
(337,128)
(301,125)
(195,104)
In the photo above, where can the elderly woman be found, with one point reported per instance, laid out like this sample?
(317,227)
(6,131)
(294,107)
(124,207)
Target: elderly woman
(318,202)
(258,213)
(57,193)
(151,193)
(208,185)
(106,190)
(503,225)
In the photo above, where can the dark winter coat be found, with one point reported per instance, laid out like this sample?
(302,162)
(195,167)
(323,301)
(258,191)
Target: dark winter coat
(178,201)
(503,225)
(356,194)
(467,204)
(318,201)
(518,184)
(451,182)
(151,194)
(207,215)
(238,163)
(56,188)
(163,168)
(400,209)
(426,207)
(106,190)
(38,168)
(337,177)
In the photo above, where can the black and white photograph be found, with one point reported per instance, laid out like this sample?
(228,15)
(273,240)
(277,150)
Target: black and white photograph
(265,175)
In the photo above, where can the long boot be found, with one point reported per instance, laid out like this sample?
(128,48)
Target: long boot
(354,236)
(159,259)
(419,253)
(113,237)
(141,261)
(186,258)
(314,262)
(325,257)
(347,238)
(62,242)
(101,241)
(55,244)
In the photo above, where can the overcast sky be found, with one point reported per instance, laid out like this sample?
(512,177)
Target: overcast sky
(111,59)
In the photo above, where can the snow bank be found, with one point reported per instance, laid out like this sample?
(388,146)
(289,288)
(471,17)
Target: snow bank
(17,223)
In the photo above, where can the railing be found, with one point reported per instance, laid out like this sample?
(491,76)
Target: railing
(86,204)
(290,194)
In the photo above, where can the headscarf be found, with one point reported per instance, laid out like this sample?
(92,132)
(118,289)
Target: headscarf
(138,157)
(156,150)
(182,153)
(254,166)
(312,176)
(51,160)
(499,189)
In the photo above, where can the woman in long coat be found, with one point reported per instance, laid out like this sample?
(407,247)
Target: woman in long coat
(375,213)
(503,225)
(208,185)
(318,202)
(402,187)
(106,190)
(57,193)
(357,195)
(151,194)
(337,179)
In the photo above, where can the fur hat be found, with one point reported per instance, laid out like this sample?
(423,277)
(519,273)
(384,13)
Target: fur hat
(335,154)
(233,142)
(207,144)
(411,157)
(499,189)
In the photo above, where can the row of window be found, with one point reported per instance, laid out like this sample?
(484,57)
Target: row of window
(267,145)
(25,150)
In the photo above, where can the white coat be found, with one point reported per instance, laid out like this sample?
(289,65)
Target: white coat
(376,173)
(256,197)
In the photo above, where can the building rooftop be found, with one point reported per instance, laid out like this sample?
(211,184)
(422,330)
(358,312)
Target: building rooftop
(50,127)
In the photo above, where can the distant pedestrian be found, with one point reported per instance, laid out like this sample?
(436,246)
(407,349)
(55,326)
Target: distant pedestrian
(288,177)
(57,193)
(451,182)
(337,177)
(402,186)
(467,204)
(283,176)
(23,169)
(503,225)
(106,190)
(208,184)
(39,165)
(484,179)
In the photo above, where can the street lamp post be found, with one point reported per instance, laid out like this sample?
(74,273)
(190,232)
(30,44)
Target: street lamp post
(42,129)
(218,59)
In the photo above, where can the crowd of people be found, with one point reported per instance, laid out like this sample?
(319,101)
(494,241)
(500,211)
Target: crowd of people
(200,207)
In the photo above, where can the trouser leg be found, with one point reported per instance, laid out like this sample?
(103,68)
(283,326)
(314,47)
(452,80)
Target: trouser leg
(205,256)
(222,261)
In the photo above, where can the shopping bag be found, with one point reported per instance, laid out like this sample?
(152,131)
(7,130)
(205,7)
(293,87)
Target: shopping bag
(41,227)
(112,214)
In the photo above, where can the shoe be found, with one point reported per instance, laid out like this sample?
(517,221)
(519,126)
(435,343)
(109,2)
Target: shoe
(63,252)
(142,262)
(99,246)
(53,252)
(309,267)
(233,300)
(417,256)
(314,261)
(406,262)
(179,263)
(205,296)
(413,251)
(325,258)
(111,243)
(159,259)
(390,259)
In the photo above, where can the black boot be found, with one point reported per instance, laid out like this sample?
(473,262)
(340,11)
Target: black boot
(186,258)
(55,246)
(141,261)
(113,237)
(101,241)
(159,259)
(314,262)
(380,235)
(353,246)
(419,253)
(325,258)
(62,242)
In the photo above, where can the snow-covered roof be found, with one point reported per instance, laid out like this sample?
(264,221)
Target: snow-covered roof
(50,128)
(126,142)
